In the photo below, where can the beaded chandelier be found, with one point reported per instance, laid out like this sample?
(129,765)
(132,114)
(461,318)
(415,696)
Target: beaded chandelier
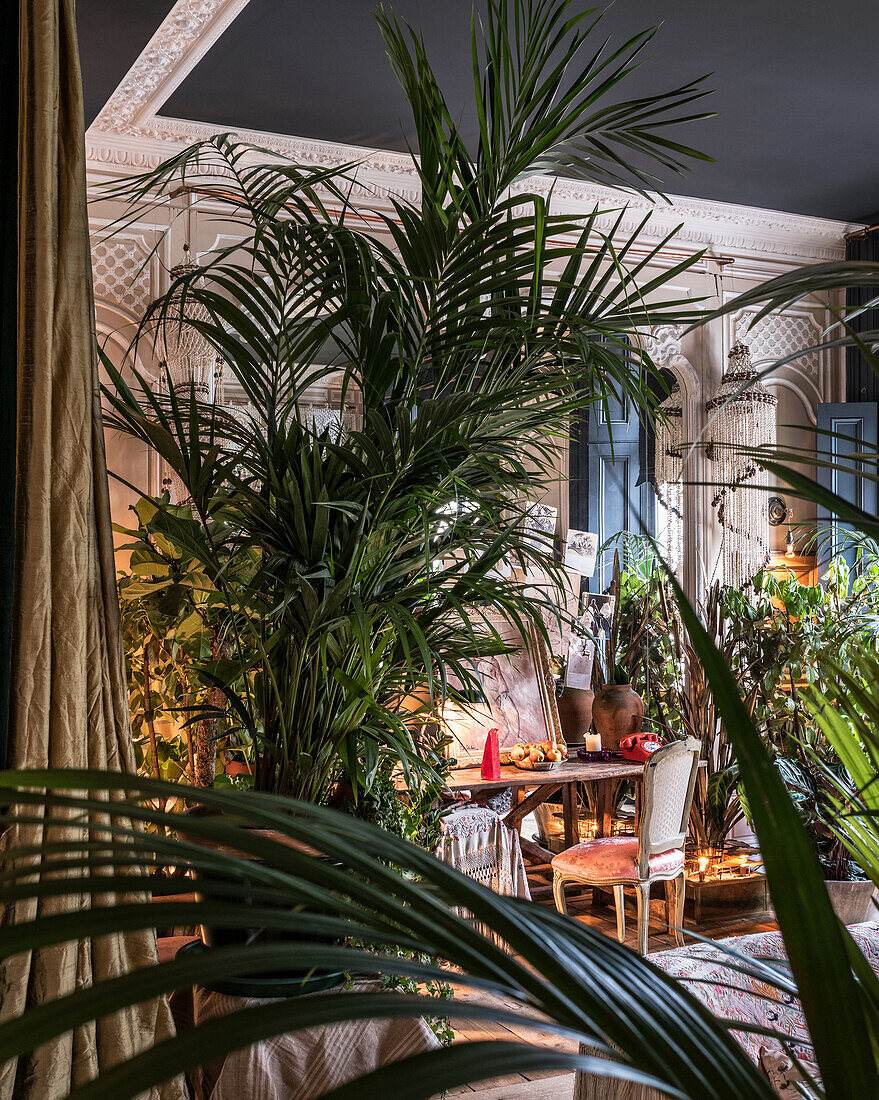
(744,419)
(180,346)
(187,356)
(668,470)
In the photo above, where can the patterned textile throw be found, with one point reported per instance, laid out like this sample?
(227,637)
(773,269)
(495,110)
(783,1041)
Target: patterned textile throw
(478,844)
(739,997)
(735,996)
(304,1064)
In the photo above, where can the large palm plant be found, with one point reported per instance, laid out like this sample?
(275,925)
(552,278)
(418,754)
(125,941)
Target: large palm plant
(406,359)
(469,341)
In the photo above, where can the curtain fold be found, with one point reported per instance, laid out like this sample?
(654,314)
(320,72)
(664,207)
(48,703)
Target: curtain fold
(68,702)
(8,342)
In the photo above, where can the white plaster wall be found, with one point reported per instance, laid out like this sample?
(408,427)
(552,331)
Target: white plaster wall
(762,244)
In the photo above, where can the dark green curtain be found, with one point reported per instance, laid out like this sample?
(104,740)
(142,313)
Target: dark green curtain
(8,322)
(861,381)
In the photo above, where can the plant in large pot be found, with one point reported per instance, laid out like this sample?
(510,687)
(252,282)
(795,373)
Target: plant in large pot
(465,343)
(841,765)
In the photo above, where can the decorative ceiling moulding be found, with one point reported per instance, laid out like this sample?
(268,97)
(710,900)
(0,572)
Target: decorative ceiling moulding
(764,236)
(180,42)
(129,136)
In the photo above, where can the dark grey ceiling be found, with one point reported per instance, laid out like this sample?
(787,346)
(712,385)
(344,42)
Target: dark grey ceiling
(797,83)
(111,35)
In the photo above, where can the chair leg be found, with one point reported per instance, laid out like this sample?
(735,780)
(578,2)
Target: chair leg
(558,893)
(642,896)
(619,904)
(680,897)
(669,905)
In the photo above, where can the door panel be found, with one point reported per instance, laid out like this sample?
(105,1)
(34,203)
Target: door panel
(853,425)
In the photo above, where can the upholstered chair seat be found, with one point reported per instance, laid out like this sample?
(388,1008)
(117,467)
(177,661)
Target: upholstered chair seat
(615,857)
(655,855)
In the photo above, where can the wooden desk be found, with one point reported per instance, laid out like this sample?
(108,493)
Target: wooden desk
(545,784)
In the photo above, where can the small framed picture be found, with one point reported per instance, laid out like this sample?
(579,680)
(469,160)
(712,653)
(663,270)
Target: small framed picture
(581,551)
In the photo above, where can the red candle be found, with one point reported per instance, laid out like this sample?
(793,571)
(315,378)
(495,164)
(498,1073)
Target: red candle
(491,757)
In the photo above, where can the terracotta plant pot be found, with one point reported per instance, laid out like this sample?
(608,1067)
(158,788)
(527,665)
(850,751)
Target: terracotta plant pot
(852,901)
(575,714)
(616,712)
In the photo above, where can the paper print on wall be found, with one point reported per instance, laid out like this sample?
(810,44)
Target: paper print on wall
(581,551)
(540,519)
(591,637)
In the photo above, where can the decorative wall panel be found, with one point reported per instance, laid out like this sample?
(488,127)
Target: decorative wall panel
(120,274)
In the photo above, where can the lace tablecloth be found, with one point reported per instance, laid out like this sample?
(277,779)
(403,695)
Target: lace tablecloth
(478,844)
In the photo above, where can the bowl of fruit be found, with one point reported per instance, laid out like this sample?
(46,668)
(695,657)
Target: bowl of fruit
(537,756)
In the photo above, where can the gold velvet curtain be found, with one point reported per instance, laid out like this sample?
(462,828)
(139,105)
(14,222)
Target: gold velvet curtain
(69,705)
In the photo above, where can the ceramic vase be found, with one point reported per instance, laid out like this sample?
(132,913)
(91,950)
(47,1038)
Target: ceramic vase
(617,712)
(575,713)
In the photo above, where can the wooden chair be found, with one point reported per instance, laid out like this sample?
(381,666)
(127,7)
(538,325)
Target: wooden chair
(656,854)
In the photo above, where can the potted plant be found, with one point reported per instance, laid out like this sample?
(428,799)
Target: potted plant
(382,547)
(815,779)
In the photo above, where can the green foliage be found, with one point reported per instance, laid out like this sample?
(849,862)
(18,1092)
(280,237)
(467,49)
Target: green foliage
(467,342)
(174,620)
(786,635)
(566,977)
(650,642)
(434,988)
(849,780)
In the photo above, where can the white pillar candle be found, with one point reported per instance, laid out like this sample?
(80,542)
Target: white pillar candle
(593,742)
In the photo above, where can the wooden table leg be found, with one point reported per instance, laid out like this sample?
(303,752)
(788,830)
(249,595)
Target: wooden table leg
(569,814)
(538,796)
(603,807)
(531,852)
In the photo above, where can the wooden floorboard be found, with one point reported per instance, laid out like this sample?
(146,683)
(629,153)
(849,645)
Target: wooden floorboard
(554,1085)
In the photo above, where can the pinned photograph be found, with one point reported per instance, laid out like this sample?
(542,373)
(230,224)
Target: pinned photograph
(581,658)
(540,519)
(581,551)
(594,629)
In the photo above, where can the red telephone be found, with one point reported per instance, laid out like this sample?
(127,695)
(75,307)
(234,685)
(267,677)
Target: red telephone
(639,746)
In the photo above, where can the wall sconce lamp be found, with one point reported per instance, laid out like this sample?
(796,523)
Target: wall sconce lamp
(780,513)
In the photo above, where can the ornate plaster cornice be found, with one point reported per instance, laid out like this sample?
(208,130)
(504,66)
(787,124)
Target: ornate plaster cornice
(128,135)
(181,41)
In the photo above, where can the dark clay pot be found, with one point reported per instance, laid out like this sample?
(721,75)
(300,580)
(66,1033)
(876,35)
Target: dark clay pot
(575,714)
(299,980)
(617,711)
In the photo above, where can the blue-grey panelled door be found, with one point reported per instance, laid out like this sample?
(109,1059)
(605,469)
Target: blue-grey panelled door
(850,427)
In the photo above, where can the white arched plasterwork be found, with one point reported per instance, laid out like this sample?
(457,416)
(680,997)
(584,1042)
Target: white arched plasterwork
(127,458)
(663,344)
(806,401)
